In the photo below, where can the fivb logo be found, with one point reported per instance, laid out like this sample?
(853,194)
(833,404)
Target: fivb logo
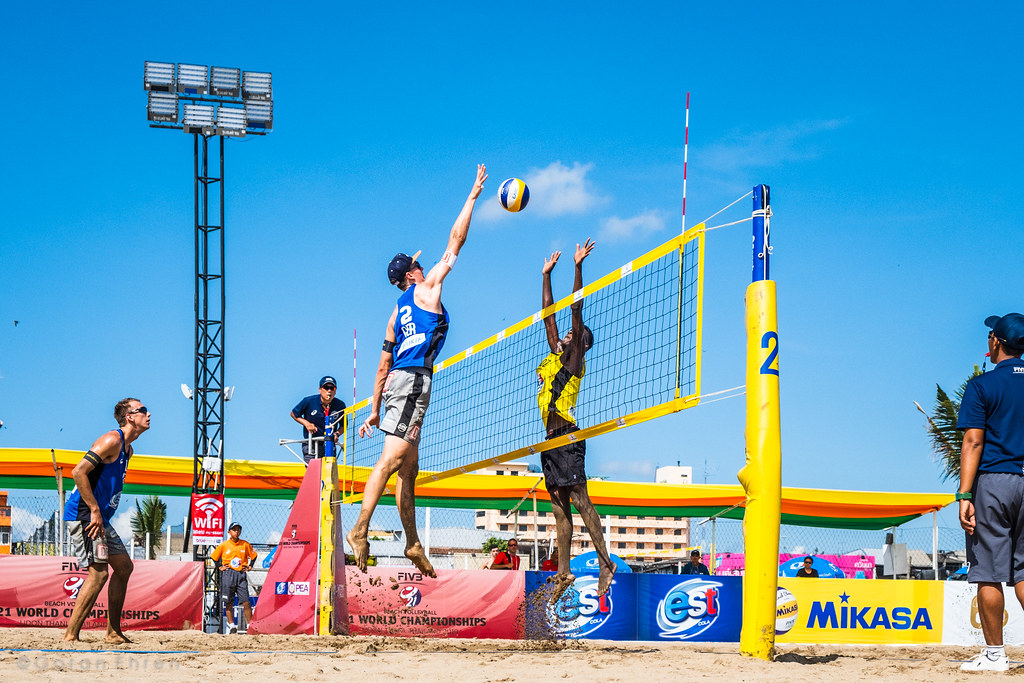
(411,595)
(580,610)
(689,608)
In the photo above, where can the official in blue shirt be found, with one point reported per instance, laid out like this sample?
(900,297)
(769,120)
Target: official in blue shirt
(695,566)
(991,493)
(310,413)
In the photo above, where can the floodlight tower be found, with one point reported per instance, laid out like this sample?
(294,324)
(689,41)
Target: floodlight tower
(208,102)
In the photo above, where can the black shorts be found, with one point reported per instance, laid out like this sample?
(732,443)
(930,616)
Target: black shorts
(232,583)
(564,466)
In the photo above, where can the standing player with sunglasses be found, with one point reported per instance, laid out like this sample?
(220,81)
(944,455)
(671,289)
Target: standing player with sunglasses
(412,341)
(99,478)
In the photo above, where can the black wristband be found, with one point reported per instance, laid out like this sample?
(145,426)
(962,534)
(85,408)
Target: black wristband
(389,346)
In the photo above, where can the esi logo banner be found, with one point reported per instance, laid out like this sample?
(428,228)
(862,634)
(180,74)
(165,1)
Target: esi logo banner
(580,613)
(683,608)
(854,611)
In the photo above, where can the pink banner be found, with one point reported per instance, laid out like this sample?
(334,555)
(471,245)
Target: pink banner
(399,601)
(853,566)
(41,591)
(287,602)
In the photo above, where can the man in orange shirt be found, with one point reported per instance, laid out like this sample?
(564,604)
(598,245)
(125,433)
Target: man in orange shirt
(236,557)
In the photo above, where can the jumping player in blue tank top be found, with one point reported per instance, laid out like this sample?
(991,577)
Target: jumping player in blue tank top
(99,478)
(413,338)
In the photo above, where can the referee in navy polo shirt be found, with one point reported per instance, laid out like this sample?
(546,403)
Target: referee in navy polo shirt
(310,414)
(991,493)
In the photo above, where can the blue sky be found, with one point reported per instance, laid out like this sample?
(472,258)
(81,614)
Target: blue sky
(887,134)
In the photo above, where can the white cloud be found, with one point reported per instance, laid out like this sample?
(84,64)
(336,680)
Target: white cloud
(23,523)
(555,190)
(273,538)
(617,229)
(122,524)
(763,148)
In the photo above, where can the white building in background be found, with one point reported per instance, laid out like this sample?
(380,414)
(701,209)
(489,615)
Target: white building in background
(642,536)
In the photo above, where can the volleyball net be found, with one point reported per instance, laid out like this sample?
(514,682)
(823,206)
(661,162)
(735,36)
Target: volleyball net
(645,363)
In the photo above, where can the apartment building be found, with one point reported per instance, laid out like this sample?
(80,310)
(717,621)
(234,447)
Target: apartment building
(643,537)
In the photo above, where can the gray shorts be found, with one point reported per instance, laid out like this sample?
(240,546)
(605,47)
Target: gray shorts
(83,547)
(232,583)
(406,396)
(995,551)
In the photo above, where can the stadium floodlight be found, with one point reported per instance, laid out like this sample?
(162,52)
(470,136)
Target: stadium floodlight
(231,121)
(199,118)
(225,81)
(193,79)
(256,85)
(162,107)
(158,76)
(259,115)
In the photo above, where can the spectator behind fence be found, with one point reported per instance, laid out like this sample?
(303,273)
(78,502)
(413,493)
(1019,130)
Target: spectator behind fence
(311,413)
(235,557)
(695,566)
(808,571)
(507,559)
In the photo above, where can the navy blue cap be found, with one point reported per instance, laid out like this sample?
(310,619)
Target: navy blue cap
(1008,329)
(327,379)
(400,265)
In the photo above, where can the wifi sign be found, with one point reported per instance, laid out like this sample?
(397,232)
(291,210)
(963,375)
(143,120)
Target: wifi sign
(207,518)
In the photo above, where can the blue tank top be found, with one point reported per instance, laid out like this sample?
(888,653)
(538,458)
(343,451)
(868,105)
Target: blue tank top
(419,334)
(106,481)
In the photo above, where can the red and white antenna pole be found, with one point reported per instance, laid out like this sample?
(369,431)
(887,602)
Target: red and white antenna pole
(354,330)
(686,145)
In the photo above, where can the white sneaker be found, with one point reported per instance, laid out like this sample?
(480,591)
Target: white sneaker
(232,628)
(983,663)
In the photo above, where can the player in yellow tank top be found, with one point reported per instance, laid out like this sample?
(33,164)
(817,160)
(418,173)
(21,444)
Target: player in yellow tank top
(558,386)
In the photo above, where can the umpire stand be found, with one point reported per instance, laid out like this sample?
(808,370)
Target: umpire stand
(207,102)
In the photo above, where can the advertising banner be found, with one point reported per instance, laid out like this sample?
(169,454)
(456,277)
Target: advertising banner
(400,601)
(580,612)
(852,611)
(689,608)
(828,566)
(960,622)
(287,603)
(207,518)
(41,591)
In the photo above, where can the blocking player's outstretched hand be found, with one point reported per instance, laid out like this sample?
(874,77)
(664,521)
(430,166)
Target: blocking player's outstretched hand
(478,186)
(549,264)
(584,251)
(366,429)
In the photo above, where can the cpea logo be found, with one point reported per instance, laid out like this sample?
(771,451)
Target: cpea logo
(786,610)
(689,608)
(580,610)
(411,595)
(72,585)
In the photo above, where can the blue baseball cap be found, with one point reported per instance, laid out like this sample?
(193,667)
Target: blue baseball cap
(1009,329)
(327,379)
(400,265)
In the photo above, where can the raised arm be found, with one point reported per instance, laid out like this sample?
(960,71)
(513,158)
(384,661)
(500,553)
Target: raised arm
(460,230)
(546,299)
(576,357)
(383,368)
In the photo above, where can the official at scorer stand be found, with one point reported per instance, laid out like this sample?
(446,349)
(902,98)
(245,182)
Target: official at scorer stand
(312,411)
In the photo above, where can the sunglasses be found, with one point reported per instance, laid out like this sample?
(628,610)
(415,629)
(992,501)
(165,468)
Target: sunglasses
(141,409)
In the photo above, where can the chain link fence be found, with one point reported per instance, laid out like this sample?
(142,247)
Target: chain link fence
(455,542)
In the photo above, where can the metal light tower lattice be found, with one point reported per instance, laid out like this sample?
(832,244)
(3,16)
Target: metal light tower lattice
(208,102)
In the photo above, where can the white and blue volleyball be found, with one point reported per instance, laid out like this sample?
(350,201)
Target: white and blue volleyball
(514,195)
